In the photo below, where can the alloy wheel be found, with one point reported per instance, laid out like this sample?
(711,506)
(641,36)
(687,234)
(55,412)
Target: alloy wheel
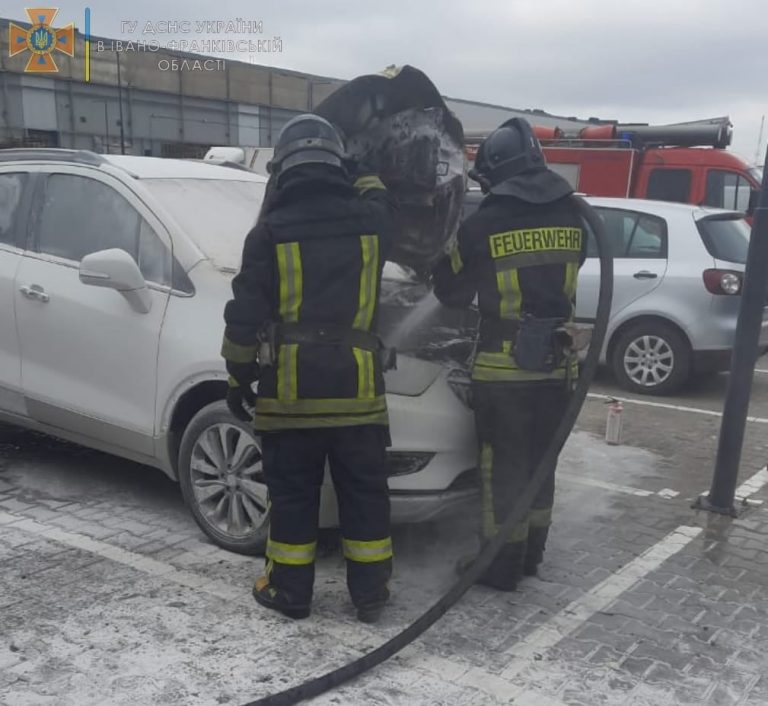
(228,480)
(649,361)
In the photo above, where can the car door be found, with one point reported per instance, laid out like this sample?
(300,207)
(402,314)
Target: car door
(89,360)
(639,246)
(14,211)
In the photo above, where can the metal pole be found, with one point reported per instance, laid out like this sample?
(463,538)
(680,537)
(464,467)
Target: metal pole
(753,300)
(120,103)
(106,128)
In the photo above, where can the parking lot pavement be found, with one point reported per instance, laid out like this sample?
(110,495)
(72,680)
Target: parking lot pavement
(110,595)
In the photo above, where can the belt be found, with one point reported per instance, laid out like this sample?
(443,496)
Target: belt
(499,329)
(330,335)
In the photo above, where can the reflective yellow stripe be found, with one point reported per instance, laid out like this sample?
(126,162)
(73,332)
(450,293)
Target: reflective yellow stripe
(287,372)
(366,389)
(324,405)
(371,181)
(369,245)
(519,534)
(486,475)
(290,277)
(457,264)
(501,367)
(266,422)
(490,526)
(540,517)
(236,353)
(293,554)
(510,302)
(367,552)
(571,280)
(571,275)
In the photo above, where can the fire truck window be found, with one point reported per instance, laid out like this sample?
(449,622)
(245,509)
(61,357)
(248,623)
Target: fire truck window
(670,185)
(727,190)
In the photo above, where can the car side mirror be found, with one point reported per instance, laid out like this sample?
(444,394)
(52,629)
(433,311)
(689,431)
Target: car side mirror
(116,269)
(754,197)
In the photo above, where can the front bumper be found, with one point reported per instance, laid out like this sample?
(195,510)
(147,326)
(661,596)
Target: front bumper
(422,507)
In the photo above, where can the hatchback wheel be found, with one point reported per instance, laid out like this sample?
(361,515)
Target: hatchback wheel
(651,358)
(222,480)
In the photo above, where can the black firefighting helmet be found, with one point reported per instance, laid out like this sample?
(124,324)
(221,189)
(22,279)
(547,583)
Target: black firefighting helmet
(510,162)
(307,139)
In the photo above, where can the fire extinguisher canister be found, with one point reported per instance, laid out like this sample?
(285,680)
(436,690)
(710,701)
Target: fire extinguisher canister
(613,422)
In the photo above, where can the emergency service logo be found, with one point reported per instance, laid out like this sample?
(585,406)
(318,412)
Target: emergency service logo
(41,40)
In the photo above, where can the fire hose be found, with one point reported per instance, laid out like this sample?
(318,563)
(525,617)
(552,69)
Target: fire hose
(319,685)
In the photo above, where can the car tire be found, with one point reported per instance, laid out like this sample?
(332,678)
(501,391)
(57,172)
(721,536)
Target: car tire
(651,358)
(222,480)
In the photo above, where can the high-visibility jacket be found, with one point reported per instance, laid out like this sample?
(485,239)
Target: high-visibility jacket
(314,258)
(520,259)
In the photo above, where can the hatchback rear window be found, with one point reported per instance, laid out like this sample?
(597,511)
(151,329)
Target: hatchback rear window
(725,238)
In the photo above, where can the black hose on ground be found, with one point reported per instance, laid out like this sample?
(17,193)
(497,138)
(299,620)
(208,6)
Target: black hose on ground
(319,685)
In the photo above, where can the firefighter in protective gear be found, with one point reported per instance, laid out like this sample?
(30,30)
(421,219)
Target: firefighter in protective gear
(520,253)
(303,322)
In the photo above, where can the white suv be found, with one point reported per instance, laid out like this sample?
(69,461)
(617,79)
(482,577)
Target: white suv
(114,271)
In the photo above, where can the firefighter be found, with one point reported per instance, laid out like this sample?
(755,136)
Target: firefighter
(520,253)
(302,322)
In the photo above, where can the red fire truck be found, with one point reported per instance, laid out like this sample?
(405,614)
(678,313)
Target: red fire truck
(687,162)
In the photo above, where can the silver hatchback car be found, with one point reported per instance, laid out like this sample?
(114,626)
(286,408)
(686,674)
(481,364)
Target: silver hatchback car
(678,273)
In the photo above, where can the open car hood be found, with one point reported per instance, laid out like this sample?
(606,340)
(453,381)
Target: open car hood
(397,124)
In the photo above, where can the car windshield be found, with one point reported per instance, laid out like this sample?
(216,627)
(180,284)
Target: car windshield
(757,173)
(726,238)
(215,213)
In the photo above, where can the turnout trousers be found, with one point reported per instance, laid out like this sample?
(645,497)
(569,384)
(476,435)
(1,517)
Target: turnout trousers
(294,466)
(515,425)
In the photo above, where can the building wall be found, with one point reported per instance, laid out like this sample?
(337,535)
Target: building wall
(170,113)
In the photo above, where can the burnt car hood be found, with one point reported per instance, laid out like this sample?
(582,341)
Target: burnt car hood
(397,124)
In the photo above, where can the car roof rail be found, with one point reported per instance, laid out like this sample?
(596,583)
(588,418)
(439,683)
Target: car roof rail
(35,154)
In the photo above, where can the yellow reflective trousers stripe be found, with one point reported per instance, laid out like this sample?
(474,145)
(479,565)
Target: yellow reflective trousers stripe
(367,552)
(540,517)
(490,526)
(292,554)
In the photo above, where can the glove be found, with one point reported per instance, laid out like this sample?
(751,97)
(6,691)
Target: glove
(237,399)
(240,393)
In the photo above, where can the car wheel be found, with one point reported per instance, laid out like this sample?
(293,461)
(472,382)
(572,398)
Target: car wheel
(222,480)
(651,358)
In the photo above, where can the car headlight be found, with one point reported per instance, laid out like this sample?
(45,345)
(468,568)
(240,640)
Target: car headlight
(402,463)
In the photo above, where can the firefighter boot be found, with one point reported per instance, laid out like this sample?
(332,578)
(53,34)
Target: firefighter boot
(276,599)
(370,610)
(534,553)
(505,571)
